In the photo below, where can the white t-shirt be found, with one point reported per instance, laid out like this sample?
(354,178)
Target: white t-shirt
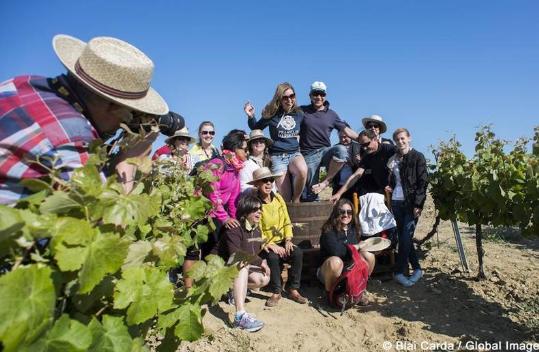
(398,193)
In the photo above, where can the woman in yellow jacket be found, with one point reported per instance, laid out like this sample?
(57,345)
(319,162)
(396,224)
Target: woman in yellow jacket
(277,233)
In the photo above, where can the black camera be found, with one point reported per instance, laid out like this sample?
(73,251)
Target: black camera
(168,123)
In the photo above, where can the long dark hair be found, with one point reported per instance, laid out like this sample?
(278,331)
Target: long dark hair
(247,203)
(332,223)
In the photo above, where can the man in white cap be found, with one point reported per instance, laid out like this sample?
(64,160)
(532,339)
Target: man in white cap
(46,119)
(315,144)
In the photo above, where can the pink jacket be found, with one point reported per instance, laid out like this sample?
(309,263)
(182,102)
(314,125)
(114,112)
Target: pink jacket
(225,190)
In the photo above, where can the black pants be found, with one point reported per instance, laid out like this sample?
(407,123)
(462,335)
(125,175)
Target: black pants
(275,263)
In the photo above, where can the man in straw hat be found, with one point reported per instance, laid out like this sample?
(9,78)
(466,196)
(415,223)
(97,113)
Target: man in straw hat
(44,119)
(315,144)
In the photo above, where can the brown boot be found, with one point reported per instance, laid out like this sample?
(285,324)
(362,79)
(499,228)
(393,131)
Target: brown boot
(273,300)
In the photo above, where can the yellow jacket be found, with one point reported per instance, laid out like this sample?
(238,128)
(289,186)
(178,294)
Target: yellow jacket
(275,222)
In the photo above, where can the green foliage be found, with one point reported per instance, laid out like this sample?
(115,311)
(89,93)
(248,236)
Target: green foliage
(101,281)
(495,187)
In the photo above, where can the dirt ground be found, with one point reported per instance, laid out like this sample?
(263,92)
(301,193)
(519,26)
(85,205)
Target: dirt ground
(446,310)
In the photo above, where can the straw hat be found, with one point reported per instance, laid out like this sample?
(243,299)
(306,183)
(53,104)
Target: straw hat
(113,69)
(184,132)
(376,119)
(258,134)
(374,244)
(262,173)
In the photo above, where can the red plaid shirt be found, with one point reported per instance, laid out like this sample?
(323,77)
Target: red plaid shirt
(36,122)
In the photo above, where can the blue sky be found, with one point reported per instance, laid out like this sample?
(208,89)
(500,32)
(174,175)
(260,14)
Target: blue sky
(436,67)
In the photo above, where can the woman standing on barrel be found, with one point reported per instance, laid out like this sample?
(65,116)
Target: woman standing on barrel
(277,233)
(408,184)
(284,118)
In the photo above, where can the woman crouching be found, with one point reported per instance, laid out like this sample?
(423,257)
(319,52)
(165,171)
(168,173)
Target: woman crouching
(247,240)
(339,230)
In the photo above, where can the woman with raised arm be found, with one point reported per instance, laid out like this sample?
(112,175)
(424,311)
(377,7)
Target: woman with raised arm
(339,230)
(408,187)
(284,118)
(277,232)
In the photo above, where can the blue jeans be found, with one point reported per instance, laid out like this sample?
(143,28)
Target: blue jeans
(316,158)
(405,230)
(280,162)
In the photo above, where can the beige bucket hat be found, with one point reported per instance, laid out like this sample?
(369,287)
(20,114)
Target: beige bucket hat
(113,69)
(374,244)
(258,134)
(377,119)
(262,173)
(184,132)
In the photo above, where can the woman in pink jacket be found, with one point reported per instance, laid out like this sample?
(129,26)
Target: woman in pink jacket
(225,192)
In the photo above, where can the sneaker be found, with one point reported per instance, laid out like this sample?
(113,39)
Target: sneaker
(403,280)
(248,322)
(416,275)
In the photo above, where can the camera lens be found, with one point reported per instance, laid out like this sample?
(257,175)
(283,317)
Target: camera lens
(171,123)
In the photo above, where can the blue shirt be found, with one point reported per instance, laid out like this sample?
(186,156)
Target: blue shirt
(284,131)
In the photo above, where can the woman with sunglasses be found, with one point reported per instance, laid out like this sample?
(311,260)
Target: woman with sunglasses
(258,157)
(246,239)
(339,230)
(276,230)
(204,149)
(284,118)
(408,187)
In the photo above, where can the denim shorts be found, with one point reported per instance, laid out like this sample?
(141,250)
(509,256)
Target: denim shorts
(279,162)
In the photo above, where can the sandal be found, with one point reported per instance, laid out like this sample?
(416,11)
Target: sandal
(273,300)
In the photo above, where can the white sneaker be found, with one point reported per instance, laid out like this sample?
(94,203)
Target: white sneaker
(403,280)
(416,275)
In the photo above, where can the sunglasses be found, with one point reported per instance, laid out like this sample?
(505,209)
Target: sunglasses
(269,179)
(289,97)
(255,209)
(365,145)
(372,125)
(318,93)
(345,212)
(211,133)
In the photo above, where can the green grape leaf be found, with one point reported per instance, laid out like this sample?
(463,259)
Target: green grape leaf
(110,336)
(59,203)
(11,223)
(146,291)
(27,308)
(136,254)
(222,281)
(88,179)
(189,317)
(95,256)
(66,335)
(198,270)
(169,249)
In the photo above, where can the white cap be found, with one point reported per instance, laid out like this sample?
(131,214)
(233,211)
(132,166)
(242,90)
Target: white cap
(320,86)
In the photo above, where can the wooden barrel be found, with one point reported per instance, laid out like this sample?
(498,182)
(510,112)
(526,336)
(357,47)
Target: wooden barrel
(307,221)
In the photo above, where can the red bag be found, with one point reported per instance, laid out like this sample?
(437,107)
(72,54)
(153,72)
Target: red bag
(349,287)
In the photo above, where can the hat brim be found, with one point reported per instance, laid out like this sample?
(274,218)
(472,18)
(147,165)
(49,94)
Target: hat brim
(68,49)
(261,178)
(266,139)
(383,125)
(374,244)
(171,138)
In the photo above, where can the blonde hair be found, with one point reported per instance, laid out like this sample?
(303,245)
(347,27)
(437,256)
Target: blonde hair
(399,131)
(273,107)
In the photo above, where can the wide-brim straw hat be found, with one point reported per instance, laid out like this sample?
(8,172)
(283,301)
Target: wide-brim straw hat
(374,244)
(112,68)
(258,134)
(184,132)
(376,119)
(262,173)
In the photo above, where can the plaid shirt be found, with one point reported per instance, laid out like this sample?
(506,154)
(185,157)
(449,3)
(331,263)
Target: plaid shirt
(37,123)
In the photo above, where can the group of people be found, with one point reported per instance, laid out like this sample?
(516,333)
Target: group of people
(54,120)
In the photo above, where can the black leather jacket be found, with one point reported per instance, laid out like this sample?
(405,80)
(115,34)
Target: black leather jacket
(414,179)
